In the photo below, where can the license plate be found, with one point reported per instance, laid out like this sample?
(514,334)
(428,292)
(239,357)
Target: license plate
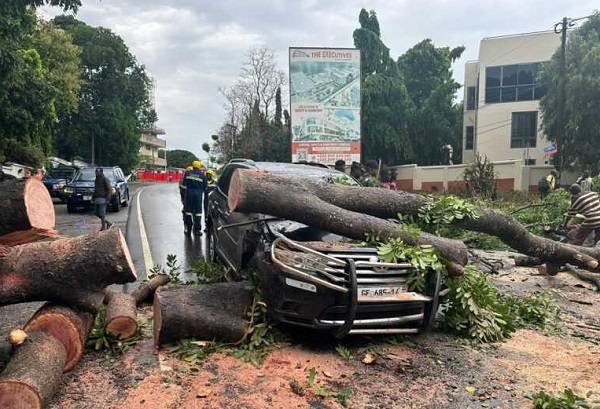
(382,293)
(87,197)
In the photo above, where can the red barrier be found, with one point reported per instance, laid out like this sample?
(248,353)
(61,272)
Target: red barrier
(159,176)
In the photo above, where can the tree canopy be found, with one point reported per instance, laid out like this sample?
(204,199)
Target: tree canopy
(578,145)
(180,158)
(114,103)
(408,105)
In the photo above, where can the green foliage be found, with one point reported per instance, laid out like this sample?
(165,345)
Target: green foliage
(480,178)
(180,158)
(476,309)
(578,143)
(596,183)
(99,339)
(423,258)
(114,104)
(341,395)
(566,399)
(208,272)
(549,212)
(427,73)
(195,352)
(343,352)
(444,210)
(173,270)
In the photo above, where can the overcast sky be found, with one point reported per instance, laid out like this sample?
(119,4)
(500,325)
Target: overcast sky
(193,47)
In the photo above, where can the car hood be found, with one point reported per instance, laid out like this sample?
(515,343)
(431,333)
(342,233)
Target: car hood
(82,184)
(302,232)
(51,181)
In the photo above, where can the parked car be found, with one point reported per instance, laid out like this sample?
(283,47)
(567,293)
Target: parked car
(313,278)
(79,191)
(57,178)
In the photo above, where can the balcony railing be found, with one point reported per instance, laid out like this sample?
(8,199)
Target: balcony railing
(153,141)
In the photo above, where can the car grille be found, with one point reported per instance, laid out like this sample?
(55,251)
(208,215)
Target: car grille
(84,190)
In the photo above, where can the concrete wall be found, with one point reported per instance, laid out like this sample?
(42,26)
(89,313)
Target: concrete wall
(510,175)
(493,121)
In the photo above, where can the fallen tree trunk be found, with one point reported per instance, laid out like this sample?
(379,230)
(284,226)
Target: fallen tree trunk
(121,314)
(289,198)
(71,271)
(205,312)
(25,204)
(66,325)
(388,204)
(33,373)
(19,237)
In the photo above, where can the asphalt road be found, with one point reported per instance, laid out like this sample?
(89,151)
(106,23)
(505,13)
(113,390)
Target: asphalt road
(159,234)
(155,229)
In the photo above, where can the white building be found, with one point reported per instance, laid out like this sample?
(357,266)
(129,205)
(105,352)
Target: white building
(502,114)
(150,145)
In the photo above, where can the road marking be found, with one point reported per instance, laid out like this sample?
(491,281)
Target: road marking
(148,263)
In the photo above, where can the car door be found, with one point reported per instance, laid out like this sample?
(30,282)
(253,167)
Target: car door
(228,240)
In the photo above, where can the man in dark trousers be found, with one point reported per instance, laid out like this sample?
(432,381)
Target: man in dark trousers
(102,195)
(195,184)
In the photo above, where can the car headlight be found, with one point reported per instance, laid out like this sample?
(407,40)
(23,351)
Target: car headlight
(58,186)
(68,190)
(114,190)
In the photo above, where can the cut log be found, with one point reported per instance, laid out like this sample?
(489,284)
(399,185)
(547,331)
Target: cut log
(146,290)
(121,315)
(71,271)
(27,236)
(33,373)
(388,204)
(65,324)
(25,204)
(527,261)
(121,320)
(294,199)
(205,312)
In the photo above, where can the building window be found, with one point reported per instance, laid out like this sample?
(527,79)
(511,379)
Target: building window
(509,83)
(524,130)
(529,162)
(471,98)
(469,137)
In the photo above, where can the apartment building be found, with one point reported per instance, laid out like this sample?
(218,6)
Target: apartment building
(501,98)
(150,145)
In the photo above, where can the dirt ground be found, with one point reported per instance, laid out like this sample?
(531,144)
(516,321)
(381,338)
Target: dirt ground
(433,370)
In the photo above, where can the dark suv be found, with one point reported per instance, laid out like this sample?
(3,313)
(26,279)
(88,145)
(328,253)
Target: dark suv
(313,278)
(57,178)
(79,191)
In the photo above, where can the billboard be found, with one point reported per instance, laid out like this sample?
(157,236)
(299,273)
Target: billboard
(325,104)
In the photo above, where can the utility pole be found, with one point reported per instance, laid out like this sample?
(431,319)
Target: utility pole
(561,28)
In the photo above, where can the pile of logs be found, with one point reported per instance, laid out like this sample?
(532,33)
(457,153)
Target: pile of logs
(70,274)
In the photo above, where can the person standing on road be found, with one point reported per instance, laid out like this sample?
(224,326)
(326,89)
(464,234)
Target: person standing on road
(586,204)
(195,185)
(182,186)
(371,178)
(102,196)
(585,181)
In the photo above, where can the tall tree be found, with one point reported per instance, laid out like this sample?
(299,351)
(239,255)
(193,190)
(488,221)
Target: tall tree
(578,145)
(427,73)
(114,102)
(180,158)
(386,107)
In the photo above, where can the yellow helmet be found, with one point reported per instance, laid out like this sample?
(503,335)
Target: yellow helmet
(197,164)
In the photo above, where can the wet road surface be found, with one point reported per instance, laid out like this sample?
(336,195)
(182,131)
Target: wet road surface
(161,230)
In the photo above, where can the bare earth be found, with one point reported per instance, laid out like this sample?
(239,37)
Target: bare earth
(427,371)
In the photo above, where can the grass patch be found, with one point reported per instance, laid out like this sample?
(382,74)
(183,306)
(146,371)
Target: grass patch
(566,399)
(99,339)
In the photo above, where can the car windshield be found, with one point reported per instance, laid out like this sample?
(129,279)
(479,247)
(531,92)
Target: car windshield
(58,173)
(89,175)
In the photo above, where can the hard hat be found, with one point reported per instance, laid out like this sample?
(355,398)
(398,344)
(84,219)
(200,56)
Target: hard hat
(196,164)
(189,168)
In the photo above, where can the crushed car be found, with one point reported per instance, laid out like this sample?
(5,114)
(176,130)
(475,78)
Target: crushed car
(313,278)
